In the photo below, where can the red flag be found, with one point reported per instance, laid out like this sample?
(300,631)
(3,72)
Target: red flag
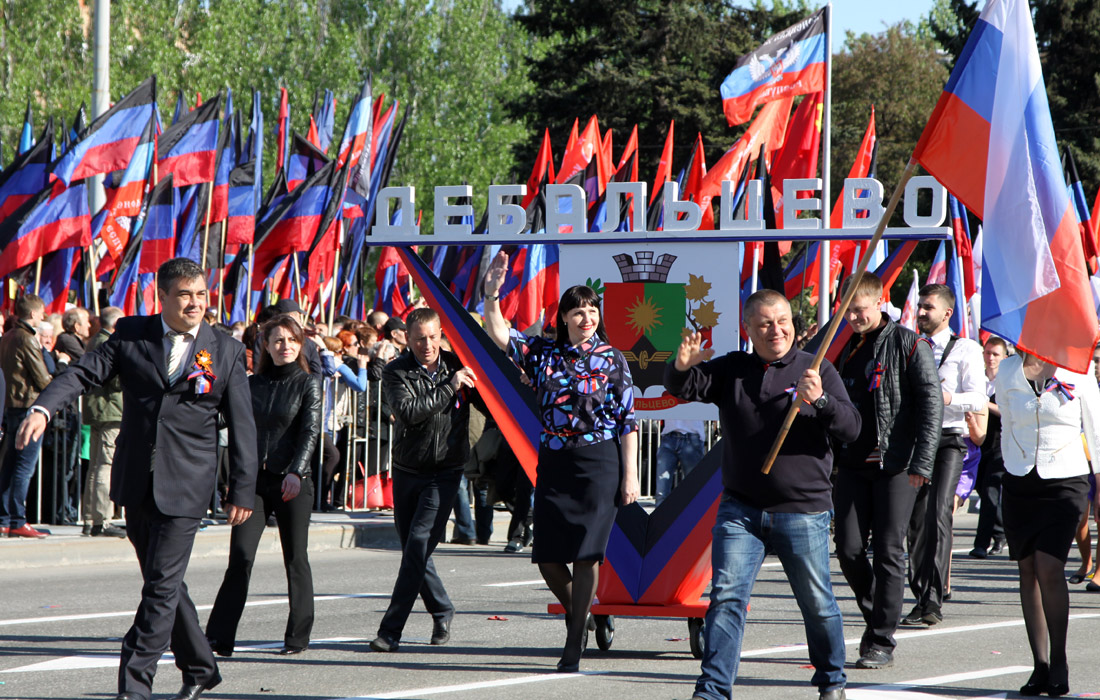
(697,170)
(283,129)
(664,166)
(798,157)
(768,130)
(572,140)
(631,149)
(578,157)
(544,167)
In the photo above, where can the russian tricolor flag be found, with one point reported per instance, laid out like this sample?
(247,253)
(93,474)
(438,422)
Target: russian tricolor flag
(990,140)
(110,140)
(937,273)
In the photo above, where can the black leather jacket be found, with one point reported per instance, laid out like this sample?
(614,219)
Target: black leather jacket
(908,403)
(287,404)
(432,434)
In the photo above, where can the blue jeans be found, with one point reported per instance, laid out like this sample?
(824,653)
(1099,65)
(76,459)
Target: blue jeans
(16,472)
(801,540)
(464,524)
(677,449)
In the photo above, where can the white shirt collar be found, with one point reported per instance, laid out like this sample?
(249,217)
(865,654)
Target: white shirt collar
(193,332)
(940,339)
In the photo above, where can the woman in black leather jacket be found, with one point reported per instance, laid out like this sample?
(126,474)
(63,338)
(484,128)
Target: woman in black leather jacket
(286,401)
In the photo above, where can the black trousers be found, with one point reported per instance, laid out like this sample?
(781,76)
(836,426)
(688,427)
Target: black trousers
(868,501)
(523,515)
(930,526)
(292,518)
(421,506)
(991,472)
(166,617)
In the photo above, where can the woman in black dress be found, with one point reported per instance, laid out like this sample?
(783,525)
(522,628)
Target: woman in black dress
(588,451)
(1044,411)
(286,401)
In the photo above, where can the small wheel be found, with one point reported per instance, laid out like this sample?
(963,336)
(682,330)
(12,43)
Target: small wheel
(605,631)
(695,636)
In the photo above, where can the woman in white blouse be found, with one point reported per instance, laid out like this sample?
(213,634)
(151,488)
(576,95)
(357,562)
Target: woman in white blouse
(1044,411)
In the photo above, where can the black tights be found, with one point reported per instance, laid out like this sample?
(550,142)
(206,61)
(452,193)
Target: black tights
(1045,600)
(575,592)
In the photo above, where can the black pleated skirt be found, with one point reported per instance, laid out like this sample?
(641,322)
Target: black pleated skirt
(576,499)
(1041,515)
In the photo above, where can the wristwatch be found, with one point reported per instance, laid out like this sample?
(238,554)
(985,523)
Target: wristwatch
(822,402)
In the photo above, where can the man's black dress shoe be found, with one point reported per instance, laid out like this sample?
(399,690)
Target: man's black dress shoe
(291,651)
(914,618)
(875,658)
(441,631)
(128,696)
(384,644)
(569,668)
(837,694)
(997,548)
(932,617)
(194,692)
(225,650)
(978,553)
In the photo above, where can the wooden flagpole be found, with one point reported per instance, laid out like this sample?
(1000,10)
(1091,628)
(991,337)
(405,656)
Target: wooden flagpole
(37,275)
(834,324)
(91,277)
(335,273)
(221,276)
(206,230)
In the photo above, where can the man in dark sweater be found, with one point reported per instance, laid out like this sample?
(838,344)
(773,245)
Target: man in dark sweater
(787,511)
(891,378)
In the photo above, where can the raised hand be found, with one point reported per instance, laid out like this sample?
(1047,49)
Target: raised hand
(494,278)
(691,352)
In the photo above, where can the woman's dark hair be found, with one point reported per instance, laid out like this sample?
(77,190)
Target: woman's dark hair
(574,298)
(286,322)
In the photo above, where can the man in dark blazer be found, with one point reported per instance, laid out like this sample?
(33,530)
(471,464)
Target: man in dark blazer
(177,373)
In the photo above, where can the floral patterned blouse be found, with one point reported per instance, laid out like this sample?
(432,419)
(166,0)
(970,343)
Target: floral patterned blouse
(584,392)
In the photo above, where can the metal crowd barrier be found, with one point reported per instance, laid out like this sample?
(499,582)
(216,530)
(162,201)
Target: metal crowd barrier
(57,485)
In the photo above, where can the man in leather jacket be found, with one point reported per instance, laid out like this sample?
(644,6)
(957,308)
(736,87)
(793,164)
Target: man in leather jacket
(891,378)
(429,391)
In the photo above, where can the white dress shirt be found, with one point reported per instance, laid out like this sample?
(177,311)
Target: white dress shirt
(1044,432)
(962,375)
(178,350)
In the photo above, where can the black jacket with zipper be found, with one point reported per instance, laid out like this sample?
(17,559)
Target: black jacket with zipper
(432,430)
(908,403)
(286,401)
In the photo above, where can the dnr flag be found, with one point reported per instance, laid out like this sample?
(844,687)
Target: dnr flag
(789,63)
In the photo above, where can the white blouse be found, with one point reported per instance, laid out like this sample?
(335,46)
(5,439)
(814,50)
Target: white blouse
(1044,432)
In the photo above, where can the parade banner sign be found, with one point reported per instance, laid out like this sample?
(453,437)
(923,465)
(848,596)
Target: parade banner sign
(651,295)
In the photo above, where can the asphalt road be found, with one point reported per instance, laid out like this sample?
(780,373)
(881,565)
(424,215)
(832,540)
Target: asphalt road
(60,631)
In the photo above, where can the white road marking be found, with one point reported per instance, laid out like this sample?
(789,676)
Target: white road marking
(440,690)
(931,632)
(130,613)
(899,691)
(86,661)
(508,584)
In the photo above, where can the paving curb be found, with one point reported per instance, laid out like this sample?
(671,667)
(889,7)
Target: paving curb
(66,546)
(327,531)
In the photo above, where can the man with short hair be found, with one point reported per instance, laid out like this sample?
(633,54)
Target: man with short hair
(786,511)
(26,376)
(891,378)
(177,375)
(963,385)
(77,327)
(989,537)
(429,391)
(377,319)
(103,416)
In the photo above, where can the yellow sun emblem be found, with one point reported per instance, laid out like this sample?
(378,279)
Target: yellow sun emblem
(644,315)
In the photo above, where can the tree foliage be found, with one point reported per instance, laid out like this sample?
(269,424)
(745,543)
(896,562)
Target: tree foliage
(451,62)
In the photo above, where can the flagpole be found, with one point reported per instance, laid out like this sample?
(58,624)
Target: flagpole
(248,302)
(92,278)
(221,278)
(824,271)
(37,275)
(335,273)
(206,231)
(834,325)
